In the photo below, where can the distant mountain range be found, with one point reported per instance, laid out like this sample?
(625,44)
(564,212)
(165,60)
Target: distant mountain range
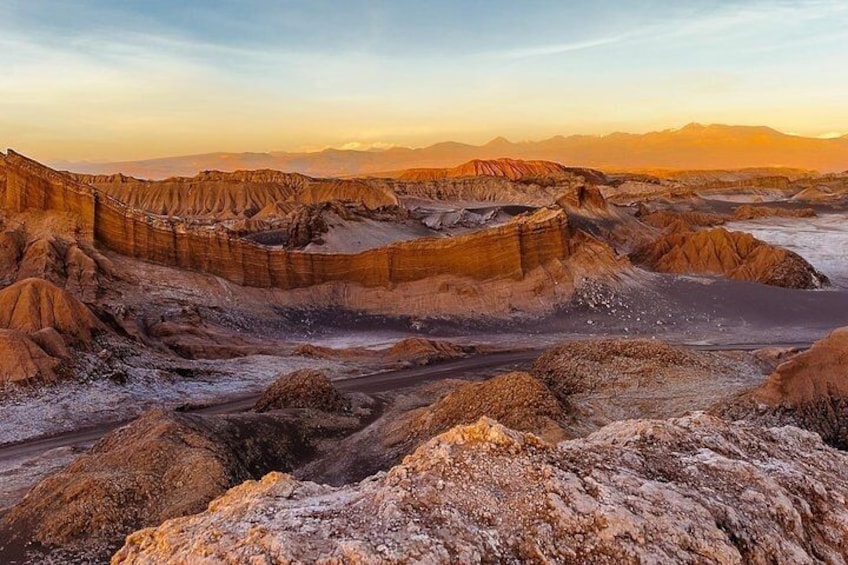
(694,146)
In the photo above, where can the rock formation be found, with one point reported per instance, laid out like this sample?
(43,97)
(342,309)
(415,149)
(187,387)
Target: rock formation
(816,194)
(809,390)
(306,388)
(532,250)
(735,255)
(587,200)
(221,196)
(610,364)
(512,169)
(160,466)
(663,219)
(693,489)
(422,351)
(34,304)
(22,361)
(748,212)
(517,399)
(32,186)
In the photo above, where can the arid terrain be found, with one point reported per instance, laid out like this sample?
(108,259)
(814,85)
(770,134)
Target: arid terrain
(429,356)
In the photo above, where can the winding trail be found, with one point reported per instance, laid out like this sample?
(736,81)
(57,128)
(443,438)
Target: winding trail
(476,366)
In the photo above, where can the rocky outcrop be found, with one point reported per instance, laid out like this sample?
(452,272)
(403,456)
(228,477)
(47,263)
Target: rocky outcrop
(517,399)
(809,390)
(694,489)
(601,381)
(513,169)
(735,255)
(748,212)
(306,388)
(34,304)
(422,351)
(500,181)
(189,334)
(22,361)
(2,177)
(663,219)
(610,364)
(160,466)
(12,244)
(587,200)
(509,250)
(32,186)
(816,194)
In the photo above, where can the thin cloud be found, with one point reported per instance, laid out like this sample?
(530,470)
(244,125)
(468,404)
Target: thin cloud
(558,48)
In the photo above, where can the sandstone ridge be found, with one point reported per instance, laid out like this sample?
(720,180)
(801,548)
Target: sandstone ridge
(513,169)
(507,251)
(160,466)
(241,194)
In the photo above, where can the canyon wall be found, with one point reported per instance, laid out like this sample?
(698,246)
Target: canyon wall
(509,250)
(32,186)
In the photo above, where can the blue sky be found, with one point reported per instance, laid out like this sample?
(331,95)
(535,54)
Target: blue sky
(119,79)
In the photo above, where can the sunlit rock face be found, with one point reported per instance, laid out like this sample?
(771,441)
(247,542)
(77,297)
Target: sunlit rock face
(735,255)
(139,223)
(690,489)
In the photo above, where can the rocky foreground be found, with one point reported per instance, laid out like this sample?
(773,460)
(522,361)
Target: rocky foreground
(686,490)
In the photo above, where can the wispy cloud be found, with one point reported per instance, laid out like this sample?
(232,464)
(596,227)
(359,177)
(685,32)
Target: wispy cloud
(558,48)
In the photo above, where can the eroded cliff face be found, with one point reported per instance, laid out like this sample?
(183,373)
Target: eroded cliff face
(32,305)
(32,186)
(636,491)
(243,194)
(736,255)
(542,191)
(22,361)
(38,324)
(2,177)
(507,252)
(510,250)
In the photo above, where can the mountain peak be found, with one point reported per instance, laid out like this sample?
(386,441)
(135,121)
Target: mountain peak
(498,142)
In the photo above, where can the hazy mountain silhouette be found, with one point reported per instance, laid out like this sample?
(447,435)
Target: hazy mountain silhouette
(694,146)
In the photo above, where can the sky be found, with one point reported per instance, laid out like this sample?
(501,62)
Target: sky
(106,80)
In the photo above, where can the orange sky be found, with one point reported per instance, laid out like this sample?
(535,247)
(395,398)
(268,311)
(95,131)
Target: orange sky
(94,81)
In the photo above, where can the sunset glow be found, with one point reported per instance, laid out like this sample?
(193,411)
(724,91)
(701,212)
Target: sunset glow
(97,80)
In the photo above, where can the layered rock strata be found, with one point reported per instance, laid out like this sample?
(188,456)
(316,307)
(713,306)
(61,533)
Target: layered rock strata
(512,169)
(507,251)
(218,195)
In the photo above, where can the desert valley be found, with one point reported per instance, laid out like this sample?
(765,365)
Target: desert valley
(446,282)
(457,364)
